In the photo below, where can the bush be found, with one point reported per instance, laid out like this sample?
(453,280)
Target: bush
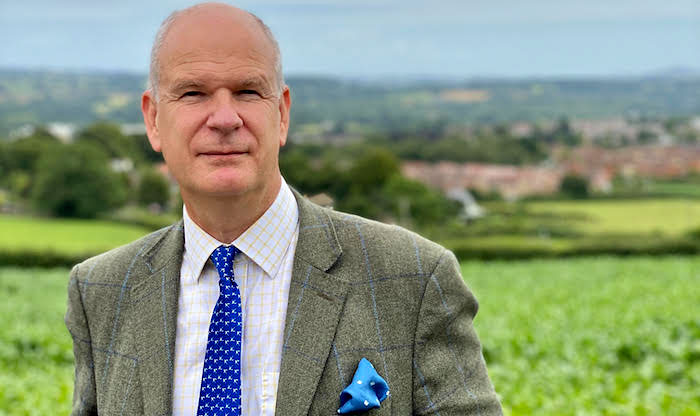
(694,234)
(39,258)
(75,181)
(574,186)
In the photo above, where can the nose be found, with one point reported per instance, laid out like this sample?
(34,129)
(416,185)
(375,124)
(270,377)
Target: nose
(224,115)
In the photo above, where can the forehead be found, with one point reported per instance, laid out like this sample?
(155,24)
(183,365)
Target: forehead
(216,42)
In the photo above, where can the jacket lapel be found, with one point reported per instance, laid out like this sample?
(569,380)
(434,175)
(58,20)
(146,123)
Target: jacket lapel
(154,301)
(316,300)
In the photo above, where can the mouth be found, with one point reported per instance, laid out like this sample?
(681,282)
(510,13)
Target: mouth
(222,158)
(222,153)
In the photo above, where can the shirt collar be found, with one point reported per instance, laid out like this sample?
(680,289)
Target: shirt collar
(265,242)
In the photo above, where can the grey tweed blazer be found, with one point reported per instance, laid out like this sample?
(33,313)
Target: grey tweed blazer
(359,289)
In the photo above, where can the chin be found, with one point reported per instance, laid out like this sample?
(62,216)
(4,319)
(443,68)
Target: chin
(233,188)
(226,182)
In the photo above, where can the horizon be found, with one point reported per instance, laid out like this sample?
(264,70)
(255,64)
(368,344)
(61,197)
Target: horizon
(665,72)
(380,39)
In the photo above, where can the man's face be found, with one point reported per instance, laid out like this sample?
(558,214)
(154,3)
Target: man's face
(219,118)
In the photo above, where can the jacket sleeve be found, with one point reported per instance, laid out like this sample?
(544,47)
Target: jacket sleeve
(449,372)
(84,397)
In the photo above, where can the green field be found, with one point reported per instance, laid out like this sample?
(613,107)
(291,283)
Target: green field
(64,235)
(667,216)
(36,359)
(518,230)
(600,336)
(562,337)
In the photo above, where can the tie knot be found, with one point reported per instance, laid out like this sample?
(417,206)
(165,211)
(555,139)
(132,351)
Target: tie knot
(222,258)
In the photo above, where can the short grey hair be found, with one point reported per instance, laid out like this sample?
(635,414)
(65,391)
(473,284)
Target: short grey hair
(154,72)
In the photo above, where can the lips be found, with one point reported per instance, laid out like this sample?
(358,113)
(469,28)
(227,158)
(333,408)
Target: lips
(222,153)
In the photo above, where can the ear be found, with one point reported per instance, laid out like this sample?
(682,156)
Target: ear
(284,106)
(149,108)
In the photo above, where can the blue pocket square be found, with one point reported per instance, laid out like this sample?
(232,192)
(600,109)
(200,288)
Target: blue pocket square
(365,392)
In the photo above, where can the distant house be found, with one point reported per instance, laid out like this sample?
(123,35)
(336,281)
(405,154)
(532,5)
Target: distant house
(470,209)
(511,182)
(322,199)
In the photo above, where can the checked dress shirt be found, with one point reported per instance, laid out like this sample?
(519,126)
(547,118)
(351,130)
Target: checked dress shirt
(263,271)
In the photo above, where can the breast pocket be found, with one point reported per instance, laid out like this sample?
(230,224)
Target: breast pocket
(348,363)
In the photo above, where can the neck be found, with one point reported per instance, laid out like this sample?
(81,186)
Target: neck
(227,218)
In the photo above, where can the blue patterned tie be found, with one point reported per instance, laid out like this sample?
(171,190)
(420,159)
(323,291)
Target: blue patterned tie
(221,379)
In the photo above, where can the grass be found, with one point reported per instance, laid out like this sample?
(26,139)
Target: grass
(63,235)
(690,189)
(597,336)
(671,217)
(527,229)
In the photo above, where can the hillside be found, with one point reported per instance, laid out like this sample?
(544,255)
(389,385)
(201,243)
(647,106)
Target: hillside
(35,97)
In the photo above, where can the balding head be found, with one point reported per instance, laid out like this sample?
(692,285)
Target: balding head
(223,14)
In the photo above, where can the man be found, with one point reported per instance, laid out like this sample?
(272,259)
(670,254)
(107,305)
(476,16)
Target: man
(293,297)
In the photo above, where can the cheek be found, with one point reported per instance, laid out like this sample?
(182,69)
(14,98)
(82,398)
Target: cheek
(177,131)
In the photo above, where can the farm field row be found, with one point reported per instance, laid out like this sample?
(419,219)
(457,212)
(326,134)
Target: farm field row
(598,336)
(547,224)
(671,217)
(68,236)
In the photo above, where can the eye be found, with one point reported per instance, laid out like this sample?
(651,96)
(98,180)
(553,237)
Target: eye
(248,92)
(192,94)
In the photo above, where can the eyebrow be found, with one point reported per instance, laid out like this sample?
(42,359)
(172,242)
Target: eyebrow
(253,82)
(246,83)
(186,84)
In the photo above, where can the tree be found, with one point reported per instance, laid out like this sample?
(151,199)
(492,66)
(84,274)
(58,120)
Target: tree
(414,202)
(18,160)
(23,154)
(109,138)
(296,168)
(75,181)
(646,136)
(373,169)
(574,187)
(153,189)
(146,152)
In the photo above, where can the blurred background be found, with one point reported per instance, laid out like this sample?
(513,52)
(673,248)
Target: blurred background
(554,146)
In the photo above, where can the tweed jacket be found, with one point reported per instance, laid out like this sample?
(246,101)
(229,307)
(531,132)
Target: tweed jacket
(359,289)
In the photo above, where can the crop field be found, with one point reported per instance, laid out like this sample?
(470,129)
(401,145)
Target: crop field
(597,336)
(666,216)
(36,358)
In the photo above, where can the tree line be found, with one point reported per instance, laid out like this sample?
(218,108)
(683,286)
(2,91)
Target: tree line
(102,170)
(99,171)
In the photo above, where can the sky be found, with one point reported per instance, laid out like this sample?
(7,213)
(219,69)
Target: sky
(380,38)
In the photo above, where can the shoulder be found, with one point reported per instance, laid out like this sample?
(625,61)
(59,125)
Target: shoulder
(388,249)
(114,263)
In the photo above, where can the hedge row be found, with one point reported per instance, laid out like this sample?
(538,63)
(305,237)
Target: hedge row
(30,258)
(471,250)
(466,250)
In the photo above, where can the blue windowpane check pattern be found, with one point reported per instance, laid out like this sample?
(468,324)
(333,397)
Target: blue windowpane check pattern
(221,379)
